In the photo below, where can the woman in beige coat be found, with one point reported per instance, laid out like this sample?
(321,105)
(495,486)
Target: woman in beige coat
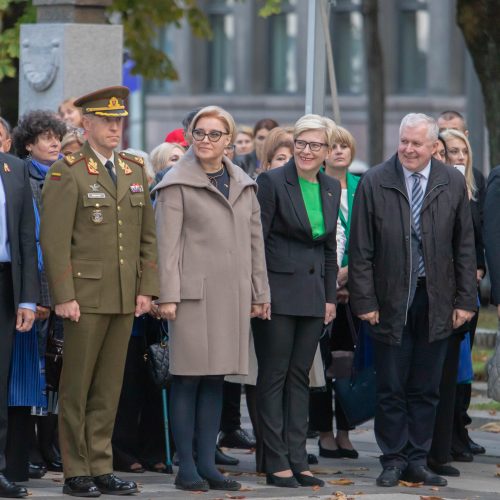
(213,279)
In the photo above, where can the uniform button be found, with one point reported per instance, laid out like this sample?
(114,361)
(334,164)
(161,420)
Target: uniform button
(121,248)
(140,203)
(120,222)
(120,235)
(118,208)
(97,205)
(121,261)
(78,274)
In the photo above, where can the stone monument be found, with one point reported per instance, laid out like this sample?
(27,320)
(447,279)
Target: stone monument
(69,52)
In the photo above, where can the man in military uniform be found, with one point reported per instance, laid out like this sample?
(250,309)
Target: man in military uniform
(99,248)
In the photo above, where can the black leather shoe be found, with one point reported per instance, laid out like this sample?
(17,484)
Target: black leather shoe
(345,453)
(222,459)
(112,485)
(325,453)
(11,490)
(55,466)
(442,469)
(36,471)
(281,482)
(239,438)
(475,448)
(305,480)
(191,485)
(463,456)
(224,484)
(312,459)
(421,474)
(390,476)
(81,486)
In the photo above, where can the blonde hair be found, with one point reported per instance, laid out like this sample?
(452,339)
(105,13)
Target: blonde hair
(244,129)
(344,137)
(215,112)
(278,137)
(451,133)
(160,154)
(316,122)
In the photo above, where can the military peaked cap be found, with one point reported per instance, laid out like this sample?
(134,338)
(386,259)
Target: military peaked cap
(109,101)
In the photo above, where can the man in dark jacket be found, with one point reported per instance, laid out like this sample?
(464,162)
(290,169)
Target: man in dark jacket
(412,275)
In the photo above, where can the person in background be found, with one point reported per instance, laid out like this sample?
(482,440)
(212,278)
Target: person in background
(5,136)
(209,288)
(412,275)
(277,148)
(299,207)
(69,113)
(72,141)
(97,222)
(244,141)
(440,152)
(320,405)
(19,287)
(229,151)
(163,157)
(177,136)
(260,131)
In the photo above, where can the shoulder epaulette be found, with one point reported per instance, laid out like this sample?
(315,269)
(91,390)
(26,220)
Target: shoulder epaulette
(138,160)
(73,158)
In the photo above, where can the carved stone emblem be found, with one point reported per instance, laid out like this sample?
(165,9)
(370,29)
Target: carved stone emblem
(40,63)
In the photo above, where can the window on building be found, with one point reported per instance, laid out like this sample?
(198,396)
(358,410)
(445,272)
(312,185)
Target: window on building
(283,49)
(221,47)
(413,46)
(165,43)
(346,29)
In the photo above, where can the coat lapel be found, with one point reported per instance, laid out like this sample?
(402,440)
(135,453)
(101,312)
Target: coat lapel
(6,176)
(103,177)
(294,192)
(122,181)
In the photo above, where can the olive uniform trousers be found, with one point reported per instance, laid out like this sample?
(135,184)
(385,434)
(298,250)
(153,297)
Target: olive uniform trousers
(95,350)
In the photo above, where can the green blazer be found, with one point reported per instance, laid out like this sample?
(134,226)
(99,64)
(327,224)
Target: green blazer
(352,185)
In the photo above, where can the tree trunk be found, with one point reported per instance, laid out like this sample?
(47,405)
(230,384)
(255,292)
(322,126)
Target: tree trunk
(375,88)
(478,20)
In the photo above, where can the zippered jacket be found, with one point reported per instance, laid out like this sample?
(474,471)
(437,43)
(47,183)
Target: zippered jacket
(383,257)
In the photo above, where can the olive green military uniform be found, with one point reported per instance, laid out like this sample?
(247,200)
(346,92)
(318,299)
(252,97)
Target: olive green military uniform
(99,248)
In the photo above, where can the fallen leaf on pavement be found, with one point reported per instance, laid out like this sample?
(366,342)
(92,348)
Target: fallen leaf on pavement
(343,481)
(492,412)
(245,488)
(430,498)
(235,497)
(410,485)
(316,487)
(490,427)
(316,471)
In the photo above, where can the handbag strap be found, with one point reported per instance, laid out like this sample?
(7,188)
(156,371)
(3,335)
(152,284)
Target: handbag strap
(352,328)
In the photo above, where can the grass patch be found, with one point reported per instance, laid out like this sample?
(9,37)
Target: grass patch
(488,318)
(490,406)
(479,359)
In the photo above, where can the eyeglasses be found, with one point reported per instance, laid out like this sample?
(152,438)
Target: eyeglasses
(213,136)
(313,146)
(230,147)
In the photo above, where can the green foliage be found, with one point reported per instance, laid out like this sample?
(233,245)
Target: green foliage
(270,7)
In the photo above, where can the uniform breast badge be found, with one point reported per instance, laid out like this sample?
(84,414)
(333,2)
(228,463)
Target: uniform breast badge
(136,188)
(97,217)
(6,168)
(92,167)
(96,193)
(55,176)
(126,169)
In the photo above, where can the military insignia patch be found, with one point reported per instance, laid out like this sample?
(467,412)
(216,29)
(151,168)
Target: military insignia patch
(92,167)
(96,195)
(126,169)
(136,188)
(55,176)
(6,168)
(95,187)
(97,217)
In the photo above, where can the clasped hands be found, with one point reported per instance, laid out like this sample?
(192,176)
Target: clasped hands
(168,311)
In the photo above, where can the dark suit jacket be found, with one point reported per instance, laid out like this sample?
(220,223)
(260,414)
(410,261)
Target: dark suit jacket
(21,229)
(302,271)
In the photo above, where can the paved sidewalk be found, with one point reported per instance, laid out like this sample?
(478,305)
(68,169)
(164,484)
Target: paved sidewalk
(478,479)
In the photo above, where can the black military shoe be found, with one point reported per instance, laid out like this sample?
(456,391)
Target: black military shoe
(422,474)
(389,477)
(237,439)
(11,490)
(81,486)
(109,484)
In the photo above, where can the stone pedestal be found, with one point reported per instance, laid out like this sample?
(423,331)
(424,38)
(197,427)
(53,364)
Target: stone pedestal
(61,60)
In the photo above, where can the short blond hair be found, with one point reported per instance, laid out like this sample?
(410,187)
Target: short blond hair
(215,112)
(245,129)
(316,122)
(345,138)
(160,154)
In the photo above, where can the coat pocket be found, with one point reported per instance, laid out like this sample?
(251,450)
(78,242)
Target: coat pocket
(279,264)
(192,288)
(137,204)
(87,276)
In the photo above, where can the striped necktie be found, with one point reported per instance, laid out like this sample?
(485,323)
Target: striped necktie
(417,199)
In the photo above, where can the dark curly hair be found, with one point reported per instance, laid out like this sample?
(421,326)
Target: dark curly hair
(31,125)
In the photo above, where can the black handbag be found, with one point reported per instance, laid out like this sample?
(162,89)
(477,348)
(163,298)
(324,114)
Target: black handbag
(356,393)
(156,356)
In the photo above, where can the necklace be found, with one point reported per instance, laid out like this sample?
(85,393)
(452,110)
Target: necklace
(213,177)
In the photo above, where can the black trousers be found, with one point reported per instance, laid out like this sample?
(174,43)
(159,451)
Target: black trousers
(443,427)
(408,378)
(7,325)
(285,348)
(17,451)
(138,435)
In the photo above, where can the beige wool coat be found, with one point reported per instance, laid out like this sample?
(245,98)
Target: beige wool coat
(212,264)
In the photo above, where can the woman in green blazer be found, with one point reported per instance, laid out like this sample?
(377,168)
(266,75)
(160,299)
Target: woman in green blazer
(320,410)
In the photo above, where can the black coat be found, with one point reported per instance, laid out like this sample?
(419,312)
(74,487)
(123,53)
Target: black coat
(21,229)
(477,207)
(380,257)
(491,232)
(302,271)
